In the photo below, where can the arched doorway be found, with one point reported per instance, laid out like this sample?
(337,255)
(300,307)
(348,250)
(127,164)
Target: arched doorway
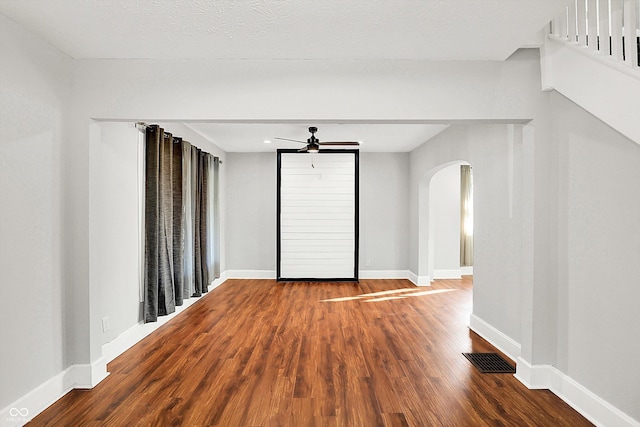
(445,222)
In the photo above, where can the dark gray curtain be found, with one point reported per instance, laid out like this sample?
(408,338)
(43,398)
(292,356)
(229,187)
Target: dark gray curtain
(178,204)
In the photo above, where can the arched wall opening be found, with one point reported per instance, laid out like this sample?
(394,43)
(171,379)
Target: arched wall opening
(502,171)
(439,223)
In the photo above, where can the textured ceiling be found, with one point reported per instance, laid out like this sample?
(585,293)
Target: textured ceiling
(286,29)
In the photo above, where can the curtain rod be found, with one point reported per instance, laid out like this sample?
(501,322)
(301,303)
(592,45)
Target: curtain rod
(144,126)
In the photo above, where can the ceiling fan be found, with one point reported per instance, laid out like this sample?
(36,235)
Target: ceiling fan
(314,144)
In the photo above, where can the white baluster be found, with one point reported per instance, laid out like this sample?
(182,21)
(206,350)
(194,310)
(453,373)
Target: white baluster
(603,20)
(561,29)
(616,29)
(592,24)
(630,25)
(553,26)
(571,21)
(581,10)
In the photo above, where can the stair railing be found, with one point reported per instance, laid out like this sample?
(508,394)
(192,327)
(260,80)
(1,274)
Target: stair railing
(609,27)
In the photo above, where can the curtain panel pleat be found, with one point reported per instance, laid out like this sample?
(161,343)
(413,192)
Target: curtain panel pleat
(166,298)
(197,259)
(203,159)
(193,208)
(188,286)
(181,236)
(152,223)
(178,222)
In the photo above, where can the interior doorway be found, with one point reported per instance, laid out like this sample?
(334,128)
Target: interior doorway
(449,222)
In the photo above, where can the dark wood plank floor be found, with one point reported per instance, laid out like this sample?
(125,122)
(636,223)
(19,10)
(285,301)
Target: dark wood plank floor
(261,353)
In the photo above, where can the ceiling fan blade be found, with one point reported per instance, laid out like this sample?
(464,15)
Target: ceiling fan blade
(303,150)
(344,143)
(293,140)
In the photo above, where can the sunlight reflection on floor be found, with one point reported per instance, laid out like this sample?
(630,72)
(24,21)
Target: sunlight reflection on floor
(409,292)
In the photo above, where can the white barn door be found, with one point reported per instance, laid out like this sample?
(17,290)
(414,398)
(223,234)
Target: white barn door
(317,215)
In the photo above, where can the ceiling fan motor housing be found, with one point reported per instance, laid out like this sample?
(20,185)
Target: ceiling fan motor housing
(312,139)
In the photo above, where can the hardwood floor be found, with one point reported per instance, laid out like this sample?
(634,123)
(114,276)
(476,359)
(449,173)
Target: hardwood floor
(261,353)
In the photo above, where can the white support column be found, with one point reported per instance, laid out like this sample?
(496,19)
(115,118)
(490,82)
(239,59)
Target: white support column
(616,29)
(603,23)
(630,25)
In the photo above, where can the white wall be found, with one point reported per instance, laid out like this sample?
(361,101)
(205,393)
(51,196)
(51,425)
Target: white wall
(444,222)
(599,256)
(384,208)
(251,211)
(114,225)
(35,85)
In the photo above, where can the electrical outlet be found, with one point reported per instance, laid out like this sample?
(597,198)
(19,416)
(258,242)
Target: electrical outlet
(368,263)
(105,324)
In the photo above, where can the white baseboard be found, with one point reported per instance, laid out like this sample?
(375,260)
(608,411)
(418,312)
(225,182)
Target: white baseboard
(362,274)
(383,274)
(89,375)
(592,407)
(37,400)
(534,377)
(413,277)
(424,281)
(418,280)
(466,270)
(447,274)
(499,340)
(388,274)
(250,274)
(40,398)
